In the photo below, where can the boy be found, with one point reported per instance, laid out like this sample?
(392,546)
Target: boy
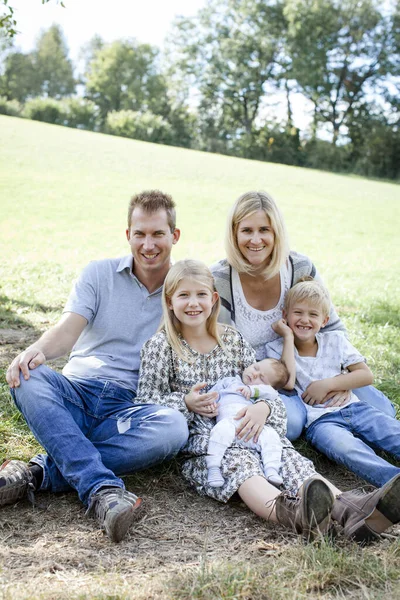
(321,364)
(258,382)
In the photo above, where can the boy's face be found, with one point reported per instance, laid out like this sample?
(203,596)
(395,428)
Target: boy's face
(262,372)
(305,320)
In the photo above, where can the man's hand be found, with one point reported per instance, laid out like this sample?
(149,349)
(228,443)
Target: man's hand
(317,391)
(245,391)
(202,404)
(24,362)
(253,420)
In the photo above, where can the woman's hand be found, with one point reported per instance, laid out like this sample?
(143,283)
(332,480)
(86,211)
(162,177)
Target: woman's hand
(337,398)
(202,404)
(253,420)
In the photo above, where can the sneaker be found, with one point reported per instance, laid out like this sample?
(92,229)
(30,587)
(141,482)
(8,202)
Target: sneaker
(115,509)
(309,512)
(16,481)
(364,515)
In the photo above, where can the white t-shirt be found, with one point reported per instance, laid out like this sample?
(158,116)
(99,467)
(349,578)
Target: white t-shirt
(335,353)
(256,325)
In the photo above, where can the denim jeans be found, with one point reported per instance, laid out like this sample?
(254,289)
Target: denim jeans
(92,432)
(297,415)
(349,435)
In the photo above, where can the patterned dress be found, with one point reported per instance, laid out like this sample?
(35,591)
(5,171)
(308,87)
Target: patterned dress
(165,379)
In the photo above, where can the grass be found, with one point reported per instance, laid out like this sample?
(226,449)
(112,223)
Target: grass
(64,199)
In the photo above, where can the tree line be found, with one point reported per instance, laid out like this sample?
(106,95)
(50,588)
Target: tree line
(212,86)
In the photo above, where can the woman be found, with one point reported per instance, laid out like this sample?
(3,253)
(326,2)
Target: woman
(252,283)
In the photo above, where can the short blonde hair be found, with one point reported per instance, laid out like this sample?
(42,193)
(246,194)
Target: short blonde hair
(191,269)
(307,289)
(245,206)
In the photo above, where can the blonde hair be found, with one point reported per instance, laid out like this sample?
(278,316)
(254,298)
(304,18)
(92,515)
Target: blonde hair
(307,289)
(191,269)
(245,206)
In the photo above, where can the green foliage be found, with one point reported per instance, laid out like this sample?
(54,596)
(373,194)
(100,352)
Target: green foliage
(19,80)
(53,68)
(44,109)
(124,75)
(337,49)
(80,113)
(140,126)
(12,108)
(70,112)
(229,52)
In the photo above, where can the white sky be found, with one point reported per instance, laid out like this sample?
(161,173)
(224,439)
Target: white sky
(146,20)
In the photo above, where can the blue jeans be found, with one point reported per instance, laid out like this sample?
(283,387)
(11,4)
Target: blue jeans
(92,432)
(349,435)
(297,415)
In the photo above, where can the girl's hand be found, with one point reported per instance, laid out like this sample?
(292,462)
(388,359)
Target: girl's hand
(245,391)
(282,328)
(253,420)
(317,391)
(202,404)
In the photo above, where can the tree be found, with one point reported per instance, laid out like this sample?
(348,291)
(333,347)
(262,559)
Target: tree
(125,75)
(230,52)
(19,80)
(339,49)
(53,68)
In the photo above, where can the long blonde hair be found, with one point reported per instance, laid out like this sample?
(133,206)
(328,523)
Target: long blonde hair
(191,269)
(245,206)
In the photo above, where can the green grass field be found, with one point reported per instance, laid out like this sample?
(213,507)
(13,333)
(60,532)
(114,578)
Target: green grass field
(64,195)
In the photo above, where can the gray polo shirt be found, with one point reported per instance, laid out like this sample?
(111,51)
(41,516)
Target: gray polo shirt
(121,316)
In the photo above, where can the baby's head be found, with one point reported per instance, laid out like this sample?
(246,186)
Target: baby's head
(306,308)
(268,372)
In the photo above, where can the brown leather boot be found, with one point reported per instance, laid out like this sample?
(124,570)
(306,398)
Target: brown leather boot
(309,512)
(363,515)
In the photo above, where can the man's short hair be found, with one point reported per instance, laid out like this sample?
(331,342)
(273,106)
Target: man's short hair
(151,201)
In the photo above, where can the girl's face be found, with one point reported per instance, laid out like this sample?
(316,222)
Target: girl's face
(256,238)
(192,303)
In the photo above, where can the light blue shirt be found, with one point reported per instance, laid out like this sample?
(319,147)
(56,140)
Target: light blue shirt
(121,316)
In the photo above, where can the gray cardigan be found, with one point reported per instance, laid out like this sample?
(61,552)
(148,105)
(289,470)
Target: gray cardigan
(301,267)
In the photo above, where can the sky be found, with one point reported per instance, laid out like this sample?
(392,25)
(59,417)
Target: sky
(146,20)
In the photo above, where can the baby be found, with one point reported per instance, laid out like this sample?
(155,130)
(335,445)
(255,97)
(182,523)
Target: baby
(258,382)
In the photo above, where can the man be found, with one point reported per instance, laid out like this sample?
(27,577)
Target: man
(85,418)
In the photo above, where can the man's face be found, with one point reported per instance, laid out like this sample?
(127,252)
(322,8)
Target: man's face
(151,241)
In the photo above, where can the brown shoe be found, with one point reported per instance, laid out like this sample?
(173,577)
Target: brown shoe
(309,512)
(363,515)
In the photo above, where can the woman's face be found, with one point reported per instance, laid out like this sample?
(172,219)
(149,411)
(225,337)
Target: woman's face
(256,238)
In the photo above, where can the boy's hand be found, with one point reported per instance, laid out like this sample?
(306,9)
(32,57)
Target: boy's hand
(282,328)
(253,420)
(245,391)
(202,404)
(317,391)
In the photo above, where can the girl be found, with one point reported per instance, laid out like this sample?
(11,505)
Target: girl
(181,362)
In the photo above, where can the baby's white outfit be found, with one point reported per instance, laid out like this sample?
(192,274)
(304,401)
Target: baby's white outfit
(223,433)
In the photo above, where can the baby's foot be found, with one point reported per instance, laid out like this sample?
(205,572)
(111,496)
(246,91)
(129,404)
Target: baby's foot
(214,478)
(273,476)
